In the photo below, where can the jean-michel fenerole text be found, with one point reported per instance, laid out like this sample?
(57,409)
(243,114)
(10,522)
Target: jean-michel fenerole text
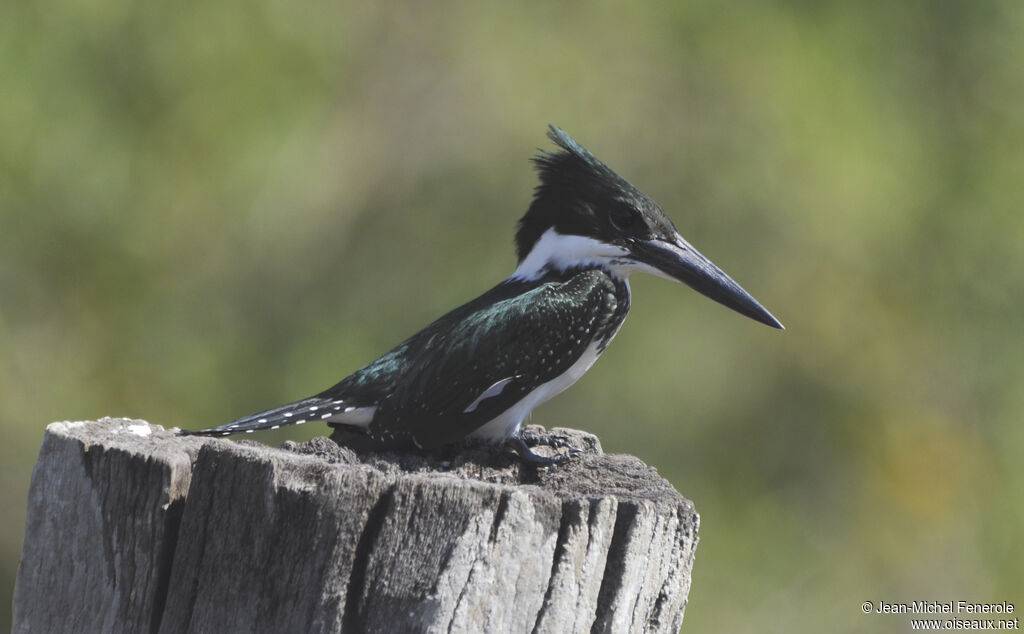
(944,607)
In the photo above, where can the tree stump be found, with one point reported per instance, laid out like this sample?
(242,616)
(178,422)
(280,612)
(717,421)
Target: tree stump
(133,528)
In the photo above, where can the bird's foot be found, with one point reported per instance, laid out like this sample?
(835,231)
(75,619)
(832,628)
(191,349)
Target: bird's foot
(533,439)
(521,444)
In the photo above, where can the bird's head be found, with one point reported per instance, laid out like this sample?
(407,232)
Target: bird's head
(584,215)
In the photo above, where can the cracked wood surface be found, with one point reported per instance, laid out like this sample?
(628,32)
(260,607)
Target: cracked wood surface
(132,528)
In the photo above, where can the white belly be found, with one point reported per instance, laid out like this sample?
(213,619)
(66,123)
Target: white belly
(508,422)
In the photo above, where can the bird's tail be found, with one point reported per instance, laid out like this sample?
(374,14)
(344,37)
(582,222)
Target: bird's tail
(297,413)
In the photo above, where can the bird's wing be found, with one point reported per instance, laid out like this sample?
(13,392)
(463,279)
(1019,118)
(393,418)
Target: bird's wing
(476,366)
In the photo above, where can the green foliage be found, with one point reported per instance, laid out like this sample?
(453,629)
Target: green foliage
(207,208)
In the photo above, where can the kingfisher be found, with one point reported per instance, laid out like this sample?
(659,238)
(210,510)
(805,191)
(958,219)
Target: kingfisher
(478,371)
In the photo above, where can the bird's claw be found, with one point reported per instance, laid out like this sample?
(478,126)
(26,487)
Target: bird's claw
(521,443)
(533,439)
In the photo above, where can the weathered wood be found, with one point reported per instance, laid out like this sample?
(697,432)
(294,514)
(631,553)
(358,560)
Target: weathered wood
(132,528)
(103,509)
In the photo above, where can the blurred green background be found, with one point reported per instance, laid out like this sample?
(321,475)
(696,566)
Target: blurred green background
(211,207)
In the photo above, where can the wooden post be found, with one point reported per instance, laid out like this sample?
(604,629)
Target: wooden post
(133,528)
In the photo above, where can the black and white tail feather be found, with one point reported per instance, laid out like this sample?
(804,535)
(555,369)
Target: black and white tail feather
(297,413)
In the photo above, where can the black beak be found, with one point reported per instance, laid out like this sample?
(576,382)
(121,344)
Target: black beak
(679,261)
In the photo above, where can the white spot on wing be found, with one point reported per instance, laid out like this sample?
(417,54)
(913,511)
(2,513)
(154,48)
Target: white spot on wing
(139,430)
(494,390)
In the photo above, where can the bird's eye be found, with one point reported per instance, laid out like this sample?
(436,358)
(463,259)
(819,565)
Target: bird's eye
(624,218)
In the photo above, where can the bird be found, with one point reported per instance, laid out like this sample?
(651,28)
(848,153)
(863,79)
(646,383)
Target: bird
(478,371)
